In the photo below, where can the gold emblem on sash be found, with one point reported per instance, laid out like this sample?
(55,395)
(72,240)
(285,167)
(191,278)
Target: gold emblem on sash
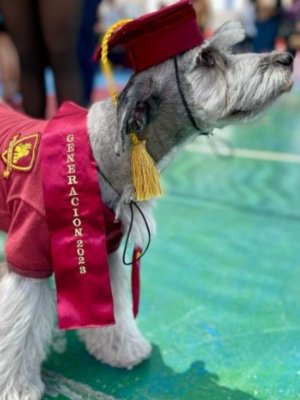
(20,154)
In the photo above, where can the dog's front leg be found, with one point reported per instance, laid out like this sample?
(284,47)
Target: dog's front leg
(26,320)
(121,345)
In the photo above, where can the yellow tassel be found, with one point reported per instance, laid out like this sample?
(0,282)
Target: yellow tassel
(145,175)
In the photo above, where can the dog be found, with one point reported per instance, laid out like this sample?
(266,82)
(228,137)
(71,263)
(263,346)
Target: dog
(169,104)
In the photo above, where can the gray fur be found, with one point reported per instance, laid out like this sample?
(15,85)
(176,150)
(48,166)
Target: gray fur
(237,88)
(233,88)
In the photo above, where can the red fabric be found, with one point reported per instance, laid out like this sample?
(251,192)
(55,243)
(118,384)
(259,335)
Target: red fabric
(22,211)
(135,280)
(76,223)
(153,38)
(84,300)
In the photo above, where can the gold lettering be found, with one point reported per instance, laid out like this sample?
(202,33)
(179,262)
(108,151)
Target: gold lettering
(77,222)
(72,179)
(80,252)
(78,232)
(71,169)
(75,201)
(70,157)
(73,192)
(70,148)
(70,138)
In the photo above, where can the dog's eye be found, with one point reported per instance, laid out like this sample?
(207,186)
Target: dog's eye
(206,60)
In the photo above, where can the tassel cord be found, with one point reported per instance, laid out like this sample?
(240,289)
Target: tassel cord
(145,174)
(104,62)
(131,204)
(131,224)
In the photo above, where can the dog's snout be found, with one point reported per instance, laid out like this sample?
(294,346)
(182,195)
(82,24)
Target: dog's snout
(285,59)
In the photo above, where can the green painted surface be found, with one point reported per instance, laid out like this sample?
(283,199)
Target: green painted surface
(220,299)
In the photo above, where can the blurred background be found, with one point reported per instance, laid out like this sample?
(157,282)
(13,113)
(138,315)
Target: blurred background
(220,299)
(60,38)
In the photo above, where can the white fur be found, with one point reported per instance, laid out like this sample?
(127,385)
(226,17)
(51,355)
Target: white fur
(139,233)
(121,345)
(26,320)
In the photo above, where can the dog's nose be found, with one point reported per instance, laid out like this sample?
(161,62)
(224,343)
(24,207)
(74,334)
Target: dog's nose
(285,59)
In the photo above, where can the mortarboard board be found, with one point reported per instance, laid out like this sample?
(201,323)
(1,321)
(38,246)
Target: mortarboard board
(155,37)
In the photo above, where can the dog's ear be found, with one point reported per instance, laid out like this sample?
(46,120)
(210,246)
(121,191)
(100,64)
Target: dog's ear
(229,34)
(138,105)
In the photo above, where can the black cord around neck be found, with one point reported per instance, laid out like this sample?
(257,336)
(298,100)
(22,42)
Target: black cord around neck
(131,204)
(185,103)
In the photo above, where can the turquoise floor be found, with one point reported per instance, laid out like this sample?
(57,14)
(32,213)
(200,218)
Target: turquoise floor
(221,287)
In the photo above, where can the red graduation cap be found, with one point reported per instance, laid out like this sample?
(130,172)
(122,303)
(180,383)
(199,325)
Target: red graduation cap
(155,37)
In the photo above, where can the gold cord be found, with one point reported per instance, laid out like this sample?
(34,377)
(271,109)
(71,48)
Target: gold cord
(145,176)
(106,67)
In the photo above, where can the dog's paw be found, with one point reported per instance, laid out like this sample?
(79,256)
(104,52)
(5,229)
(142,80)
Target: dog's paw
(117,348)
(23,392)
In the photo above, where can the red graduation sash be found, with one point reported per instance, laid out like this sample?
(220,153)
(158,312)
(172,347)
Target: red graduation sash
(82,228)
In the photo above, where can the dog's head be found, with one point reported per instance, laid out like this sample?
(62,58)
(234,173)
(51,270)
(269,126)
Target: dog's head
(207,87)
(219,86)
(226,87)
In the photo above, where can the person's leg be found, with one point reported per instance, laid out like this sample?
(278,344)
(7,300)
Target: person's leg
(86,46)
(60,22)
(21,22)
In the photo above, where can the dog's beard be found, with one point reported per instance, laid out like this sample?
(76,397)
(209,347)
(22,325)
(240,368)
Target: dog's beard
(276,81)
(262,93)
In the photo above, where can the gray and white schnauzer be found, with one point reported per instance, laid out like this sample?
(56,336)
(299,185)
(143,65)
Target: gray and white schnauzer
(212,87)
